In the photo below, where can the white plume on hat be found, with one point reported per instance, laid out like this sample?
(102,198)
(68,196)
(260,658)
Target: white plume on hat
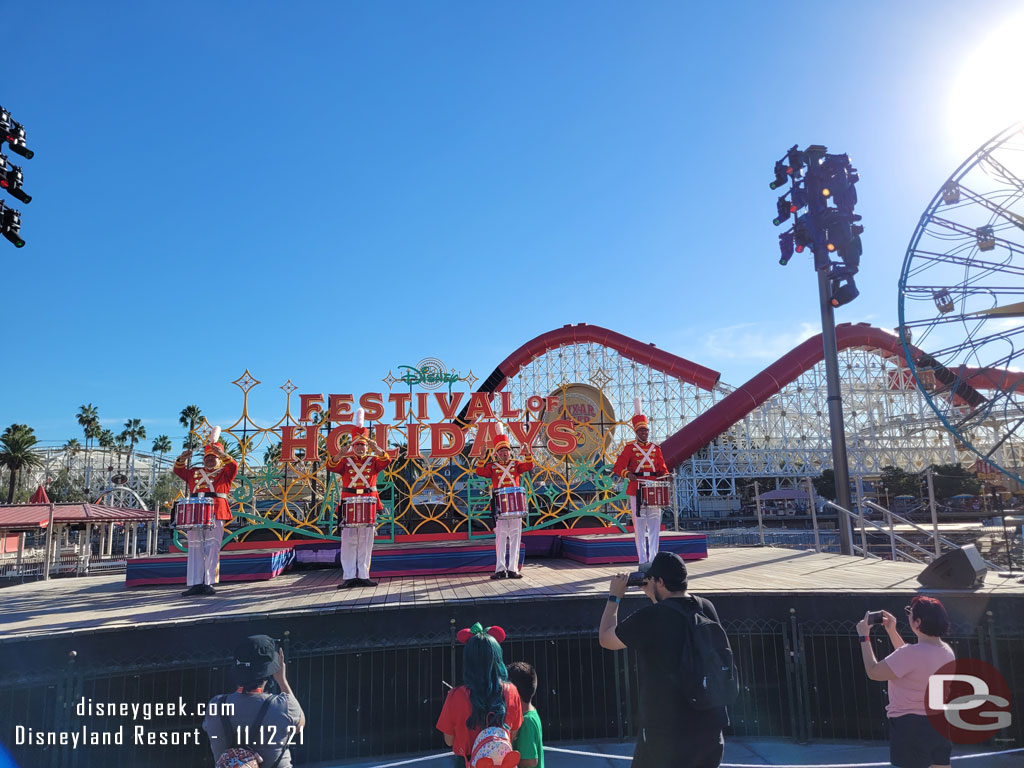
(360,417)
(499,428)
(215,435)
(637,410)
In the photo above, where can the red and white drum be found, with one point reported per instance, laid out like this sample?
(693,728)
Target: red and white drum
(656,493)
(360,511)
(511,502)
(194,512)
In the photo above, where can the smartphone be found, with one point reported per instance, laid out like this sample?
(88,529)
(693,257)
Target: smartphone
(636,579)
(875,617)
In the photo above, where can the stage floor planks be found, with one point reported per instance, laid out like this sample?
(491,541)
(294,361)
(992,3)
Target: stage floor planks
(97,603)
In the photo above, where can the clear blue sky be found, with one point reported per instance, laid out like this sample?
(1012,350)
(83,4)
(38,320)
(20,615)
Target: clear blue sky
(337,188)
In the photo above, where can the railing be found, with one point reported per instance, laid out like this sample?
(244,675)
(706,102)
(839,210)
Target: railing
(801,679)
(916,553)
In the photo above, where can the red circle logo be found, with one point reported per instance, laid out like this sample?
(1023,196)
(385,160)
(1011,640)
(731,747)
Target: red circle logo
(968,701)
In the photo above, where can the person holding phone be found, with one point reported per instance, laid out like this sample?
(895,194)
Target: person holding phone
(913,742)
(257,721)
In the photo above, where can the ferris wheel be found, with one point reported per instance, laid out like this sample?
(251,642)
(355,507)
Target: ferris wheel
(961,303)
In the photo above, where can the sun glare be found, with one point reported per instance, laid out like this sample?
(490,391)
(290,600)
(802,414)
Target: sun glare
(987,95)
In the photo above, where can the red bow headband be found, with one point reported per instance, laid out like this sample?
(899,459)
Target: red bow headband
(478,629)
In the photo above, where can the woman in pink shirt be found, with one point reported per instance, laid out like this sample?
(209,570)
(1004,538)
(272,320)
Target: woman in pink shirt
(913,742)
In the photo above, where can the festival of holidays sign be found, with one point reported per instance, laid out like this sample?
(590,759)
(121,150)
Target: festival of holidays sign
(416,413)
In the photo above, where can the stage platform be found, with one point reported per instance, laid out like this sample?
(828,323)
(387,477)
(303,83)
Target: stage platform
(83,609)
(238,565)
(428,558)
(621,548)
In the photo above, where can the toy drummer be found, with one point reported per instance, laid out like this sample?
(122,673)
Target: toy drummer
(508,502)
(210,482)
(357,512)
(641,463)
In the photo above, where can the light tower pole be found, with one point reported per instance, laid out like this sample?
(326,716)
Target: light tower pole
(828,231)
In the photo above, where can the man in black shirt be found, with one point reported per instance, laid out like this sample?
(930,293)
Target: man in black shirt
(672,733)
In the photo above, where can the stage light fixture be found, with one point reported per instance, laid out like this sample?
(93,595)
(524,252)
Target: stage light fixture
(11,179)
(10,225)
(843,291)
(786,247)
(782,206)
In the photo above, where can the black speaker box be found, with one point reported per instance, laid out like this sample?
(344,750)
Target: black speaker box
(957,569)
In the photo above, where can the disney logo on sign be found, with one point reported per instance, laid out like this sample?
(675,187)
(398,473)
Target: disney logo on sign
(429,373)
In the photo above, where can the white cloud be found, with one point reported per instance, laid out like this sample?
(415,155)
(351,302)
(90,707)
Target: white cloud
(750,341)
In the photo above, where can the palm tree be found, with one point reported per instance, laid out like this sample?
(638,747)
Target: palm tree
(133,432)
(88,418)
(71,449)
(162,445)
(120,446)
(189,417)
(106,440)
(16,453)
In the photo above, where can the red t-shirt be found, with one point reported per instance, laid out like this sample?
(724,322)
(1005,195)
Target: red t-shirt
(457,709)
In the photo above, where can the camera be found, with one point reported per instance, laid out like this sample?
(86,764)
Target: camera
(636,579)
(874,617)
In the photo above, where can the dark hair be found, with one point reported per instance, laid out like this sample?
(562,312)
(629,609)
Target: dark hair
(252,685)
(483,672)
(524,677)
(932,613)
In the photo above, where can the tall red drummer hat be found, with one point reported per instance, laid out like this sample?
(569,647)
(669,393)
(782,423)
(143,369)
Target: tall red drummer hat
(214,439)
(361,433)
(501,441)
(638,420)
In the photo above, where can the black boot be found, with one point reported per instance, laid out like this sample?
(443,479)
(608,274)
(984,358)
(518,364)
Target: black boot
(368,582)
(209,590)
(195,589)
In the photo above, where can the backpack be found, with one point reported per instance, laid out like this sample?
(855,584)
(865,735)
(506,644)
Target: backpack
(492,748)
(707,672)
(242,756)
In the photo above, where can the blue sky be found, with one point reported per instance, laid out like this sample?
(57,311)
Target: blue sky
(335,188)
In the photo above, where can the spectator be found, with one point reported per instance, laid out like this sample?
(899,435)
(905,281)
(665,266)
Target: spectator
(485,698)
(274,721)
(673,734)
(529,743)
(913,742)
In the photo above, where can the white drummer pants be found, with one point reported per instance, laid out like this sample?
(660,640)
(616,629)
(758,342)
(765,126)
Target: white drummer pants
(356,548)
(508,532)
(204,554)
(646,528)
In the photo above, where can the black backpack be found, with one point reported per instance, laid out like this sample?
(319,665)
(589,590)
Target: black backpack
(707,672)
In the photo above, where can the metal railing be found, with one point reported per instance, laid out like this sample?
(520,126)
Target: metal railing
(801,679)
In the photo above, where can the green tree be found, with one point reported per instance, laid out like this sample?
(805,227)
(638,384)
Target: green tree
(953,480)
(17,452)
(825,484)
(898,482)
(71,449)
(89,420)
(106,440)
(120,446)
(166,488)
(133,432)
(190,416)
(162,445)
(65,488)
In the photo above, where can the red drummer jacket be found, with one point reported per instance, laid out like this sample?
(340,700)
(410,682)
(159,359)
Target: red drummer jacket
(359,476)
(506,475)
(639,459)
(216,484)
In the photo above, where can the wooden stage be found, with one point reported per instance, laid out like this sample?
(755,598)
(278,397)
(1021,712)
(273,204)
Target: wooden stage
(87,605)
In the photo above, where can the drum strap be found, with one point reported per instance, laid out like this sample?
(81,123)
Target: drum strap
(359,470)
(204,478)
(646,456)
(211,495)
(507,474)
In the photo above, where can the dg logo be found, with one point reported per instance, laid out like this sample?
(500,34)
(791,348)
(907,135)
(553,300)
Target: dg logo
(968,701)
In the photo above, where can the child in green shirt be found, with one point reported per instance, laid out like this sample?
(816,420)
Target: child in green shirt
(529,743)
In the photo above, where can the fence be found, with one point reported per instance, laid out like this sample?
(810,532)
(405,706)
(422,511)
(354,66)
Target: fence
(801,679)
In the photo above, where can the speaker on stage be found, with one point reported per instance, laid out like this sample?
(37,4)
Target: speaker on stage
(958,569)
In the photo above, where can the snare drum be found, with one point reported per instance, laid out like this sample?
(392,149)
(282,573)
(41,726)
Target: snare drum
(655,493)
(194,512)
(360,511)
(511,502)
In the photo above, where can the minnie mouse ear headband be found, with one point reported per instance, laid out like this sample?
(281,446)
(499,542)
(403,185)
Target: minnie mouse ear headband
(478,629)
